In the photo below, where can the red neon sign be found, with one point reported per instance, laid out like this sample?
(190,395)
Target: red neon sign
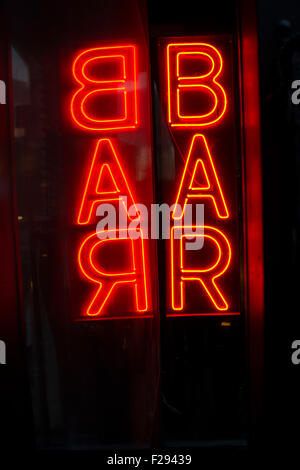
(109,73)
(114,90)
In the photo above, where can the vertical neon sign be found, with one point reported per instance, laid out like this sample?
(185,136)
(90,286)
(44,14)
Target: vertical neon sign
(106,101)
(196,107)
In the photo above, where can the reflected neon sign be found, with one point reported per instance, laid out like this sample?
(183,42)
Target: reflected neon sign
(107,180)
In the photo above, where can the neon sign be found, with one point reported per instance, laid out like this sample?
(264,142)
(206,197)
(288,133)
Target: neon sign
(199,157)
